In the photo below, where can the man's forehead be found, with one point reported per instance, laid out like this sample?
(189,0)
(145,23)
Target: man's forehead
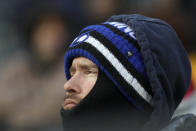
(82,61)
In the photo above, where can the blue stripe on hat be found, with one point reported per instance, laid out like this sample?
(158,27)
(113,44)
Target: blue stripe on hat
(119,42)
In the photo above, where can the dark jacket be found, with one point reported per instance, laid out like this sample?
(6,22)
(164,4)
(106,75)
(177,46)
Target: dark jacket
(166,62)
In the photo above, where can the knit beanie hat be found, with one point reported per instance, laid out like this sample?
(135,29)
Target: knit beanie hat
(113,47)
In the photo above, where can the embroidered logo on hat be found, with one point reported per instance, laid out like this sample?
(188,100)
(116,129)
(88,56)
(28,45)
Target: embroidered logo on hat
(82,38)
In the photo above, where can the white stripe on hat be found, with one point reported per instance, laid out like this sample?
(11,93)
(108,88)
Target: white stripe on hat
(118,66)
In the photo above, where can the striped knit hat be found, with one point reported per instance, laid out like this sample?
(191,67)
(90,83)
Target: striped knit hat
(113,47)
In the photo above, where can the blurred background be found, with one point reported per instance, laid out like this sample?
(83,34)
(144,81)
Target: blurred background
(33,38)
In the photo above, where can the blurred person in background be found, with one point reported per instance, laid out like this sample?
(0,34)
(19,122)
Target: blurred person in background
(32,79)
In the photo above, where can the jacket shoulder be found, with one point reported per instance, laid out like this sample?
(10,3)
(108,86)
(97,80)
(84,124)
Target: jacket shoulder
(185,122)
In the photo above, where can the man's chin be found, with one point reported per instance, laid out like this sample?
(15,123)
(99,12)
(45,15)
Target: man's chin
(69,106)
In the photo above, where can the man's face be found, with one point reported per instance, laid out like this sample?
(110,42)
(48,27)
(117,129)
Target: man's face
(84,74)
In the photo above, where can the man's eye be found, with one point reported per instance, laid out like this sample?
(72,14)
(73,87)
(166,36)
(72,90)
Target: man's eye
(90,72)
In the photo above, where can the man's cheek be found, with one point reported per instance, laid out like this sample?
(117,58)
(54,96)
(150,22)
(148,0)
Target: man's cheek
(88,87)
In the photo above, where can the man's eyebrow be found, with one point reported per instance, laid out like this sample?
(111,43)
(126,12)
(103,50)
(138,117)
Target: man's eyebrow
(84,67)
(87,66)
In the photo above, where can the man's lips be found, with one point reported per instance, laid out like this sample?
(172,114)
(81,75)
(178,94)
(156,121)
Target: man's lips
(69,103)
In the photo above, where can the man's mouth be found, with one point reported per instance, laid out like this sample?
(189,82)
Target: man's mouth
(69,104)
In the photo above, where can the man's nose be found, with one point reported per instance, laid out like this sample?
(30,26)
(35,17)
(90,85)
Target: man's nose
(72,86)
